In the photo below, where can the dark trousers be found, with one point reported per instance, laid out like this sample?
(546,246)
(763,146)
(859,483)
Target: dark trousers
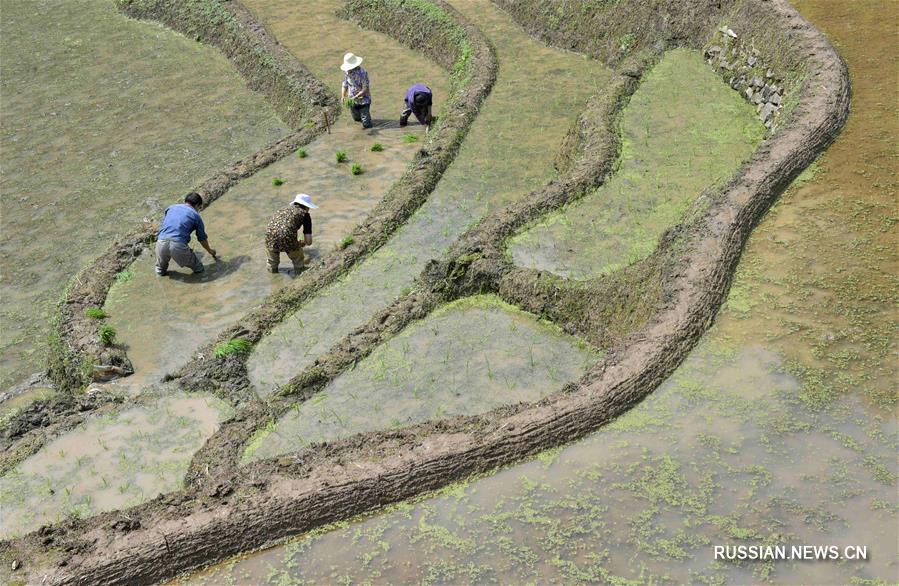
(362,114)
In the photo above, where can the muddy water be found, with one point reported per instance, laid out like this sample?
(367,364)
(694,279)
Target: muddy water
(104,120)
(161,321)
(683,131)
(508,152)
(466,358)
(109,462)
(779,428)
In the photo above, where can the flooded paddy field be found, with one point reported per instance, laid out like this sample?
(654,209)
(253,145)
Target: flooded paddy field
(780,428)
(468,357)
(110,462)
(105,121)
(497,163)
(162,321)
(683,131)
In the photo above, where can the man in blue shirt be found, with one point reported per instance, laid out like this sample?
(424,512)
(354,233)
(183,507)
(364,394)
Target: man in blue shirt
(171,243)
(418,101)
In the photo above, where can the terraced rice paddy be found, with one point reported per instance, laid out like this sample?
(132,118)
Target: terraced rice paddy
(469,357)
(162,321)
(683,132)
(497,164)
(105,121)
(779,428)
(110,462)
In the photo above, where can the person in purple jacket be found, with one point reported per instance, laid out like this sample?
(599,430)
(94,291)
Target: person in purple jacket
(418,101)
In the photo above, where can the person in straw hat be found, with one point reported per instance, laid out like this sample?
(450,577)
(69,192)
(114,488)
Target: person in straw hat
(355,91)
(281,234)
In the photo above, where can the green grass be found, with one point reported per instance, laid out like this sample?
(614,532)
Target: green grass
(377,147)
(340,156)
(356,169)
(124,276)
(107,335)
(410,138)
(235,346)
(302,154)
(95,313)
(346,241)
(276,181)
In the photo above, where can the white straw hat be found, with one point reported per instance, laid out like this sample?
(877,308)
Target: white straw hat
(351,61)
(304,200)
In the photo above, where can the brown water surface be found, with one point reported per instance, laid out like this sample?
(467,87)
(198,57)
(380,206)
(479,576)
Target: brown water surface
(780,427)
(104,121)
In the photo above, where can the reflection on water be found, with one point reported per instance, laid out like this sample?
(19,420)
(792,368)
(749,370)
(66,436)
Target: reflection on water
(508,152)
(779,428)
(468,357)
(684,130)
(105,120)
(109,462)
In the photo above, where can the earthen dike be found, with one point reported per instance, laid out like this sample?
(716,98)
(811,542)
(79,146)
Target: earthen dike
(646,316)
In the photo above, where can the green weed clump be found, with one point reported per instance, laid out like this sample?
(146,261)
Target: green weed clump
(124,276)
(276,181)
(410,138)
(346,241)
(356,169)
(340,156)
(107,335)
(235,346)
(377,147)
(95,313)
(302,154)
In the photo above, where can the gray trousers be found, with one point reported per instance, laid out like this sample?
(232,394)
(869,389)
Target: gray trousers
(167,250)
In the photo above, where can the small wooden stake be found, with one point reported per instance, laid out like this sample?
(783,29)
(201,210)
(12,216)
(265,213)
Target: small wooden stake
(327,122)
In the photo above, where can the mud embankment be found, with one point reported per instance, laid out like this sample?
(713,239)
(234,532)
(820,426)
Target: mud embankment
(688,276)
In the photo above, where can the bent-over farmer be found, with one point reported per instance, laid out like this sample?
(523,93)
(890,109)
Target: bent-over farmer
(178,222)
(418,101)
(281,234)
(355,88)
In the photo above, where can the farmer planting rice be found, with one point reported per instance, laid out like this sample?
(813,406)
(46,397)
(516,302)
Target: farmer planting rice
(281,234)
(418,101)
(355,91)
(178,222)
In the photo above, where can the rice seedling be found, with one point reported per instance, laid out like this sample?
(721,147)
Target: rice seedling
(356,169)
(276,181)
(235,346)
(107,335)
(377,147)
(340,156)
(95,313)
(349,102)
(346,241)
(302,154)
(410,138)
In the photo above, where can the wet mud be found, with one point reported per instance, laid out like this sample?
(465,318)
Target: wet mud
(467,357)
(105,121)
(683,132)
(496,164)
